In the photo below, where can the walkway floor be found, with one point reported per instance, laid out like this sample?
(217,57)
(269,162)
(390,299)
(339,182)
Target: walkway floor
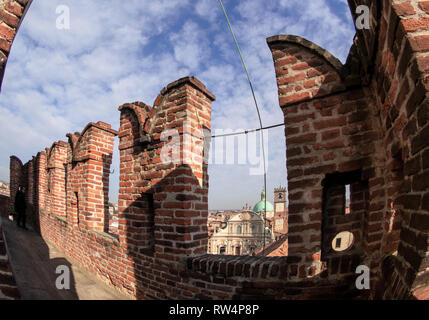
(34,263)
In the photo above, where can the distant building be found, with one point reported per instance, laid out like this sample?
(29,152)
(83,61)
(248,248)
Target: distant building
(4,189)
(280,219)
(243,234)
(259,208)
(247,232)
(4,198)
(113,218)
(215,223)
(275,215)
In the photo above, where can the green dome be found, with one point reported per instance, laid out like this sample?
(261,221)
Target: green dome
(260,206)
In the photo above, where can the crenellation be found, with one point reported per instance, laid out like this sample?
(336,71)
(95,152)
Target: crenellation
(357,160)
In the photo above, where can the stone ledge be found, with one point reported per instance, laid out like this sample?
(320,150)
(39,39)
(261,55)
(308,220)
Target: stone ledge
(242,266)
(104,237)
(61,220)
(189,80)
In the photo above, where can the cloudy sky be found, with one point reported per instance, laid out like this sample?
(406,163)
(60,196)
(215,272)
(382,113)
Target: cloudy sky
(58,80)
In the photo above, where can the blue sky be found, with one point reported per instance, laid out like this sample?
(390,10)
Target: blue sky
(119,51)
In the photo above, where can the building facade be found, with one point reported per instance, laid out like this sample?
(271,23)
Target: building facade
(243,235)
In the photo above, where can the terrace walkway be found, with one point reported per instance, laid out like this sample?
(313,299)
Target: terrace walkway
(34,262)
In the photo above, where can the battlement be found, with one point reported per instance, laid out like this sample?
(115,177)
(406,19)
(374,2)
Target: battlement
(357,162)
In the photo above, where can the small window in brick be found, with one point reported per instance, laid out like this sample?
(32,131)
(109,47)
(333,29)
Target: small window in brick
(345,204)
(347,200)
(77,207)
(49,181)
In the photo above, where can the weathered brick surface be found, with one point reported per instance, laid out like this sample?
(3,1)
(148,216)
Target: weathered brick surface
(336,131)
(370,116)
(363,123)
(16,179)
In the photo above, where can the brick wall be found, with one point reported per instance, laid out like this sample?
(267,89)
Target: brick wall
(397,76)
(159,252)
(329,129)
(362,124)
(369,115)
(153,188)
(335,218)
(16,179)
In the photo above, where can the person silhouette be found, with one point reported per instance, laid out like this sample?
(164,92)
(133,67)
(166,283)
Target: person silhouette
(20,207)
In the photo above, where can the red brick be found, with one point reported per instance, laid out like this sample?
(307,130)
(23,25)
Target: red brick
(300,66)
(310,137)
(284,62)
(331,134)
(424,5)
(294,98)
(419,43)
(404,9)
(291,79)
(9,19)
(329,123)
(7,32)
(14,7)
(415,24)
(5,45)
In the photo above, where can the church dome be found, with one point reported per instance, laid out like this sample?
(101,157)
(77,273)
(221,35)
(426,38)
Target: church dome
(260,206)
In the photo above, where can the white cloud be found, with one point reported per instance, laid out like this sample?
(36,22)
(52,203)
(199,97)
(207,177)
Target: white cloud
(190,46)
(115,52)
(207,9)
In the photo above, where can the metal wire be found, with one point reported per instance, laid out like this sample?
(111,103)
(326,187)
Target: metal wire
(248,131)
(257,110)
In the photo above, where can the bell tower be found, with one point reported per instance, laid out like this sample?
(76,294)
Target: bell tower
(280,212)
(279,200)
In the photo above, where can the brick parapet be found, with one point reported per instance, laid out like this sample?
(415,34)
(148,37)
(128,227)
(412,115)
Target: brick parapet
(170,195)
(400,91)
(381,135)
(364,123)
